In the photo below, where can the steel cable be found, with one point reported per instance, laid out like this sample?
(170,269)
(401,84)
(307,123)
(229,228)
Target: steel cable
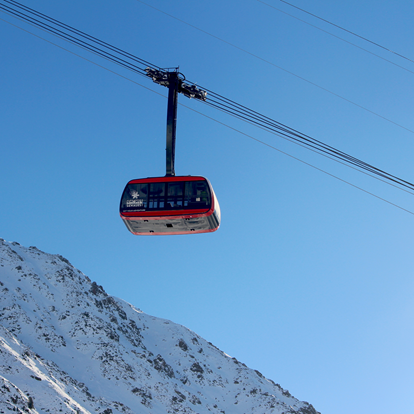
(214,100)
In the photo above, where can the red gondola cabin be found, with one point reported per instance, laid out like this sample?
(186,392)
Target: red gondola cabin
(170,205)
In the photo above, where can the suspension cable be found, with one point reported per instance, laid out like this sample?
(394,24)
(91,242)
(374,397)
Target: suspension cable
(213,99)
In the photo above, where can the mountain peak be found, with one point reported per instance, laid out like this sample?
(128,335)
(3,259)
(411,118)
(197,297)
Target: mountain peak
(68,346)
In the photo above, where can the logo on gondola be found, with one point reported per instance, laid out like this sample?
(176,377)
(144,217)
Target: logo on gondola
(135,201)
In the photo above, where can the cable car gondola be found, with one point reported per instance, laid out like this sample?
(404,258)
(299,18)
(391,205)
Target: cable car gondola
(170,205)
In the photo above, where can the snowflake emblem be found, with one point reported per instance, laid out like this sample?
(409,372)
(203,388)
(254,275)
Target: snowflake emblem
(134,194)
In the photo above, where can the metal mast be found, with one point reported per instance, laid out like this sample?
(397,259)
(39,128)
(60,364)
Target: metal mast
(175,85)
(171,122)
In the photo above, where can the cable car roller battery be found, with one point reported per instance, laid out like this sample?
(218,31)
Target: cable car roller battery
(170,204)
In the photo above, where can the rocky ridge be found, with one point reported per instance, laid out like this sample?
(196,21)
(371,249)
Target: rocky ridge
(67,346)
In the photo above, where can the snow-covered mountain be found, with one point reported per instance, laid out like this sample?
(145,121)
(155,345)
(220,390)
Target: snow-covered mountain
(66,346)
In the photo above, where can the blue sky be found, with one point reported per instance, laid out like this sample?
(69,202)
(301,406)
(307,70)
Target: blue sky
(312,282)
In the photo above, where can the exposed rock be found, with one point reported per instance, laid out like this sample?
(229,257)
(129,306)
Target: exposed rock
(67,346)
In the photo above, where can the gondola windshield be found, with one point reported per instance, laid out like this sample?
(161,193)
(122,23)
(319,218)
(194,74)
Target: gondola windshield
(181,195)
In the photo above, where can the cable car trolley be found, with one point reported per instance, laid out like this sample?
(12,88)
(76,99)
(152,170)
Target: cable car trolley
(170,204)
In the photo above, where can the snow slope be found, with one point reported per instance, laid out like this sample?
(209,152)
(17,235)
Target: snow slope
(66,346)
